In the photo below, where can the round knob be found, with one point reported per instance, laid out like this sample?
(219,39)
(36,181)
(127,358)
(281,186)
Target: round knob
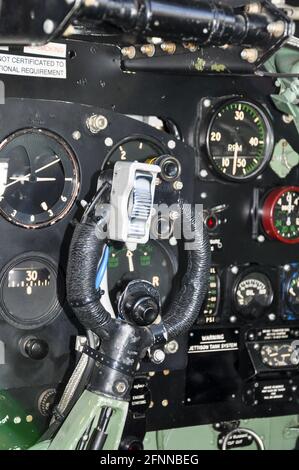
(35,348)
(145,311)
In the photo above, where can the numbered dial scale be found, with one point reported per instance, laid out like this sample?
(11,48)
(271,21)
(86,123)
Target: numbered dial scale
(209,310)
(292,293)
(152,262)
(134,149)
(280,214)
(31,291)
(253,293)
(239,140)
(39,178)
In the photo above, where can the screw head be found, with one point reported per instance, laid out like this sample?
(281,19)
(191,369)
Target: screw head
(76,135)
(120,387)
(158,356)
(178,185)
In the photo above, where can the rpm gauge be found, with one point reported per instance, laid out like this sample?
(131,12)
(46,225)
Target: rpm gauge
(239,140)
(134,149)
(39,178)
(152,262)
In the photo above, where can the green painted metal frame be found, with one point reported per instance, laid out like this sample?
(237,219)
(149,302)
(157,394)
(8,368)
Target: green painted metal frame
(86,411)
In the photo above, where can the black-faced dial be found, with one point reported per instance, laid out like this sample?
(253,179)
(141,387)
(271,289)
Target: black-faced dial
(39,178)
(277,355)
(253,293)
(239,140)
(152,262)
(293,293)
(133,149)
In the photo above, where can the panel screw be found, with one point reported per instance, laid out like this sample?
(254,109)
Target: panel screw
(250,55)
(76,135)
(190,46)
(178,185)
(129,52)
(158,356)
(49,26)
(272,316)
(148,49)
(253,8)
(120,387)
(169,47)
(261,238)
(233,319)
(203,173)
(287,118)
(96,123)
(277,28)
(207,103)
(172,347)
(234,269)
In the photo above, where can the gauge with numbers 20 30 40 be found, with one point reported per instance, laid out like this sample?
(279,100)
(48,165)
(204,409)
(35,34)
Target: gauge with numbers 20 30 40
(240,140)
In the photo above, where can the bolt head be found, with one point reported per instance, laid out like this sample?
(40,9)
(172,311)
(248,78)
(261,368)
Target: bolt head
(120,387)
(178,185)
(158,356)
(76,135)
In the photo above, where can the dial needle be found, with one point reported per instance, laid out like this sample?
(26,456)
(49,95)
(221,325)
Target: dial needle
(235,158)
(130,258)
(26,177)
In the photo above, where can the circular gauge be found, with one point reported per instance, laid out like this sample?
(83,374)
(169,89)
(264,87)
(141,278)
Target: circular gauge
(31,292)
(210,307)
(39,178)
(293,293)
(280,214)
(133,149)
(151,262)
(277,355)
(253,293)
(239,140)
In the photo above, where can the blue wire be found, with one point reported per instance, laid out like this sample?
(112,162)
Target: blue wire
(102,267)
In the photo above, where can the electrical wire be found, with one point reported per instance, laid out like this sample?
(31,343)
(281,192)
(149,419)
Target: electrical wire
(102,267)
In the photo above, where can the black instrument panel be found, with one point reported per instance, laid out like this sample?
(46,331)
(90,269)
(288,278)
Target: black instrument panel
(235,363)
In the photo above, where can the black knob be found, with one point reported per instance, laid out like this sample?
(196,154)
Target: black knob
(140,303)
(35,348)
(145,311)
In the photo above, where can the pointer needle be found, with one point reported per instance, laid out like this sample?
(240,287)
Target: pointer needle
(130,259)
(235,158)
(26,177)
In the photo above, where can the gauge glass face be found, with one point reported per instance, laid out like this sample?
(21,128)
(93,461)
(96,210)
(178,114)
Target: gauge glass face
(150,262)
(210,307)
(240,140)
(277,355)
(253,293)
(30,296)
(39,178)
(293,293)
(132,150)
(286,215)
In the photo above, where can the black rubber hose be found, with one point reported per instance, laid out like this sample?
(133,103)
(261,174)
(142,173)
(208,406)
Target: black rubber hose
(186,305)
(85,251)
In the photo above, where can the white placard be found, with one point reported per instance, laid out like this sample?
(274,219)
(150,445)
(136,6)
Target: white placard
(52,49)
(29,66)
